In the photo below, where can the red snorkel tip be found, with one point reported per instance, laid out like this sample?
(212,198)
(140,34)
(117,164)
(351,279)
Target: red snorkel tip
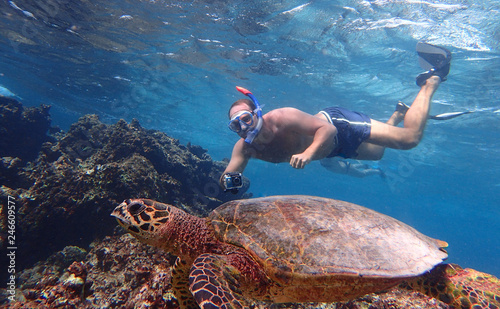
(243,90)
(252,133)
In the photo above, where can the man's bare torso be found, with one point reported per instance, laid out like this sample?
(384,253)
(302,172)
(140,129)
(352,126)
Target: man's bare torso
(276,142)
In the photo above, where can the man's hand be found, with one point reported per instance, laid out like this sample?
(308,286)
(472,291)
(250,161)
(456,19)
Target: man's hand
(300,160)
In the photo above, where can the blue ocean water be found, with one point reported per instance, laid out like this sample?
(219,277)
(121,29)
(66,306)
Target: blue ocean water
(173,65)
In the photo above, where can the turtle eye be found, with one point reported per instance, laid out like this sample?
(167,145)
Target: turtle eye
(136,208)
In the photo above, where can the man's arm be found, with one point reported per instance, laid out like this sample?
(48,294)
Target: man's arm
(323,134)
(238,162)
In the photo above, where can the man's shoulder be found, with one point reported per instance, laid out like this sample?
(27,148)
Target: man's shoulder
(287,110)
(283,111)
(282,118)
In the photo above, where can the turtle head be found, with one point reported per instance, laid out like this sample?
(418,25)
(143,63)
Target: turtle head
(143,218)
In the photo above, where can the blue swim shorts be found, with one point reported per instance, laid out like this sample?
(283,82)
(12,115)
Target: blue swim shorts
(353,129)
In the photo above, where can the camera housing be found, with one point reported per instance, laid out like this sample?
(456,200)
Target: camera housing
(233,181)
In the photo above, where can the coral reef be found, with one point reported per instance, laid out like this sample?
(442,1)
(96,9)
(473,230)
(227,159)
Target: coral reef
(22,133)
(118,272)
(65,195)
(22,130)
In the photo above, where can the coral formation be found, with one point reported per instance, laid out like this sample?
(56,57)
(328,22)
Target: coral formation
(22,130)
(116,273)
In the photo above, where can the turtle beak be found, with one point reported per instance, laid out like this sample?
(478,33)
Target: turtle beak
(121,222)
(120,214)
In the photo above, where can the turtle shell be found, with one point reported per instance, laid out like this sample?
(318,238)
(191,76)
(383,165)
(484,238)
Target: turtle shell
(311,236)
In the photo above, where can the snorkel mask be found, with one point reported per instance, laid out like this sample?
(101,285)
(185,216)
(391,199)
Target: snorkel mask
(252,133)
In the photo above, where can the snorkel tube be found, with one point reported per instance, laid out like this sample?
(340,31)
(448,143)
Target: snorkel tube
(253,133)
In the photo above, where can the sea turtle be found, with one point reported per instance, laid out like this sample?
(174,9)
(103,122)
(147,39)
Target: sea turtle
(280,249)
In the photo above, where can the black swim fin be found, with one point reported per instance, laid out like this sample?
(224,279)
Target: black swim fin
(434,59)
(431,56)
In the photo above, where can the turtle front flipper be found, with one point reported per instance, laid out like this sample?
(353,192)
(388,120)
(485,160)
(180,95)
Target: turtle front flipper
(180,275)
(214,283)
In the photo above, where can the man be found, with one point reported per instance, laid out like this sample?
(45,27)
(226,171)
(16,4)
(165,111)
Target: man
(290,135)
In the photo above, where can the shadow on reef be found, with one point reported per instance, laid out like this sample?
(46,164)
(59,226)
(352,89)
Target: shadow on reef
(65,186)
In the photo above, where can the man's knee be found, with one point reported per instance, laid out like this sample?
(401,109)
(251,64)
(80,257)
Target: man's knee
(410,142)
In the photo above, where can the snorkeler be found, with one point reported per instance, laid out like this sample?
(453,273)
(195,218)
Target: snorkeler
(290,135)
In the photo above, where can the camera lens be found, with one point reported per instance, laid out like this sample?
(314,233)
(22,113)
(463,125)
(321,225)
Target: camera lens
(237,180)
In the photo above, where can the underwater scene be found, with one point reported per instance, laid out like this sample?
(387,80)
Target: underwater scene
(117,126)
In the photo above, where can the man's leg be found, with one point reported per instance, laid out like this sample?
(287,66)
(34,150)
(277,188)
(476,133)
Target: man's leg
(414,121)
(369,151)
(436,60)
(398,115)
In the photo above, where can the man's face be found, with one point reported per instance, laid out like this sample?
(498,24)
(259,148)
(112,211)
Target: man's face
(242,120)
